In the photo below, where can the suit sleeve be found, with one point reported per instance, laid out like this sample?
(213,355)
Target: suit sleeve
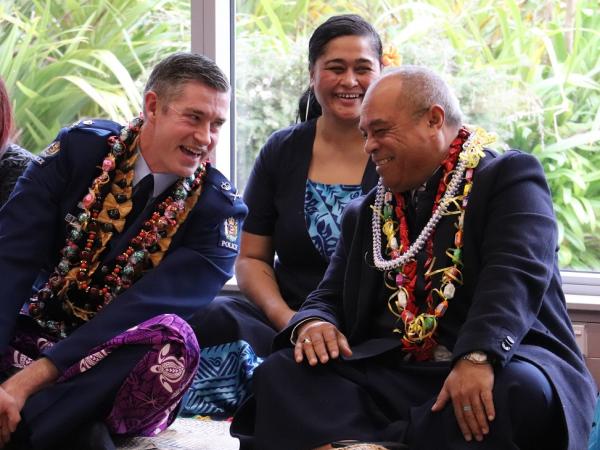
(188,277)
(517,252)
(29,222)
(260,192)
(325,302)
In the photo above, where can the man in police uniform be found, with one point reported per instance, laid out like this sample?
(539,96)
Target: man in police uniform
(122,232)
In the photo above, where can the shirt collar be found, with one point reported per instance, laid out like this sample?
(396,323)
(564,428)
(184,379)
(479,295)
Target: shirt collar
(423,186)
(161,180)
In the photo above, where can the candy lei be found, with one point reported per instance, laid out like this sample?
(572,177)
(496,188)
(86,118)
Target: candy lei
(77,290)
(400,272)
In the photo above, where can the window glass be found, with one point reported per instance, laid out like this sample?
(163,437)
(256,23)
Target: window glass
(66,60)
(528,70)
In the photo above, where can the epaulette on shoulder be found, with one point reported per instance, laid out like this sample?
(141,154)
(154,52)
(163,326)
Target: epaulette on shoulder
(222,184)
(101,127)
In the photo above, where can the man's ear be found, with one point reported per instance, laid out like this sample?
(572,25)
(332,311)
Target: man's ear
(151,105)
(436,117)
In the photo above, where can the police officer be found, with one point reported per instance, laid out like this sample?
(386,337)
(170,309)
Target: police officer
(123,232)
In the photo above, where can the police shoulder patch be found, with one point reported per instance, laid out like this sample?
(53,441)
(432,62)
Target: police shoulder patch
(48,152)
(51,150)
(230,234)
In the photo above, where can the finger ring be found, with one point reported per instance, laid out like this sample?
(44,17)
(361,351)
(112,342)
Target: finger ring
(467,408)
(306,341)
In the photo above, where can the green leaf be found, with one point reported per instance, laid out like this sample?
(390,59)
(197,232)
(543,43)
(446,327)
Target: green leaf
(578,140)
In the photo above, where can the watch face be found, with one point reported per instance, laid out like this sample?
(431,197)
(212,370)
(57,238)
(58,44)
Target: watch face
(478,357)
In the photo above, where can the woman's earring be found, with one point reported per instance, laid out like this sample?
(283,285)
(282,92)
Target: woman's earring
(307,106)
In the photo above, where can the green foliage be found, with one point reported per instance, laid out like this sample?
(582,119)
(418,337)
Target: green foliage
(70,59)
(528,70)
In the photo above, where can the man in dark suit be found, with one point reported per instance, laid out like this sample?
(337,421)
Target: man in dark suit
(123,232)
(440,322)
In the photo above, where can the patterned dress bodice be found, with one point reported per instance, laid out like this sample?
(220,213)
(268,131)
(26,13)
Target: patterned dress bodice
(323,207)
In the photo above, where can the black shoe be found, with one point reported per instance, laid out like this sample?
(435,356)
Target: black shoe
(93,436)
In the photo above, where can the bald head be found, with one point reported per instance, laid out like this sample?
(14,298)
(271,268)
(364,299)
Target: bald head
(409,118)
(416,89)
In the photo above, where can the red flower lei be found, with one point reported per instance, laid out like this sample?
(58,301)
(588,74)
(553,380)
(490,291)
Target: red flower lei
(418,328)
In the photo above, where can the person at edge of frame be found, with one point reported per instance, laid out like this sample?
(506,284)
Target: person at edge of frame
(13,158)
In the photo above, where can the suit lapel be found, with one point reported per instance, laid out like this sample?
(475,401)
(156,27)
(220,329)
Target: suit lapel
(365,289)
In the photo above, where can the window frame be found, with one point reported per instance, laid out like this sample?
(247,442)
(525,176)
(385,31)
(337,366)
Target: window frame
(212,28)
(213,34)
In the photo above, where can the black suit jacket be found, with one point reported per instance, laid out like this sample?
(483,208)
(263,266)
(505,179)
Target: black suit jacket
(511,304)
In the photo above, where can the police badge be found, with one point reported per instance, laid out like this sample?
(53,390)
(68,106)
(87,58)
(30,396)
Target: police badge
(230,234)
(51,150)
(48,152)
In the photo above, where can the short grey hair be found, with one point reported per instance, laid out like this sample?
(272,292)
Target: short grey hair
(170,74)
(422,88)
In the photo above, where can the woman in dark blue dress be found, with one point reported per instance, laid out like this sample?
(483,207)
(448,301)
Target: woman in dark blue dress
(301,181)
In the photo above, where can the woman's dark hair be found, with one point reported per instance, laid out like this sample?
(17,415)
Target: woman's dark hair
(6,120)
(334,27)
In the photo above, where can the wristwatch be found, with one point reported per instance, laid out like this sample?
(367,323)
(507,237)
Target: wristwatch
(477,357)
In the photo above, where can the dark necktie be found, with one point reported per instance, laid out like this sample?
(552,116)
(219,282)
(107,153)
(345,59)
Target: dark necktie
(141,194)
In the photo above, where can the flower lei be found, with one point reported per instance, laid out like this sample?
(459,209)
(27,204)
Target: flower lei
(400,272)
(77,290)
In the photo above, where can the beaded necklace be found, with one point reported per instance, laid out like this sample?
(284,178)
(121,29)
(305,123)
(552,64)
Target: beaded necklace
(400,272)
(77,290)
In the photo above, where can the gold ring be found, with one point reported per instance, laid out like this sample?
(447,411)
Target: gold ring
(306,341)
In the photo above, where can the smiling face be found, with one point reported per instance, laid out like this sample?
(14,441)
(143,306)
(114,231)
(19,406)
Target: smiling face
(182,131)
(342,74)
(406,147)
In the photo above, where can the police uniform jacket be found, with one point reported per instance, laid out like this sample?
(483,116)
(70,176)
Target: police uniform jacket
(33,230)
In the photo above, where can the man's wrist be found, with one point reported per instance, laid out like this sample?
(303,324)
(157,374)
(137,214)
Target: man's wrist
(296,329)
(28,381)
(477,357)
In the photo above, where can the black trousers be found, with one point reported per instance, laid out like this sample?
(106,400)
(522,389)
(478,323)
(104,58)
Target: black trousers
(51,416)
(298,407)
(230,319)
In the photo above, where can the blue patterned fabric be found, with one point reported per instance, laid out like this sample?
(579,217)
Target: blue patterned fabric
(222,381)
(595,436)
(323,207)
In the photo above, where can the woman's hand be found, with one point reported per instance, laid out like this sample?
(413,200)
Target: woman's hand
(319,341)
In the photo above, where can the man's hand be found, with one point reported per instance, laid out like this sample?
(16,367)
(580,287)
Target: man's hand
(9,416)
(15,391)
(319,341)
(469,386)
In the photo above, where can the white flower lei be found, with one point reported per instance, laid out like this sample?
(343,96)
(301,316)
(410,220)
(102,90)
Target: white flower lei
(469,158)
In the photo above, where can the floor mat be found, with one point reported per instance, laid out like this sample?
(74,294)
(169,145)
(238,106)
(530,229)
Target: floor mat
(186,434)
